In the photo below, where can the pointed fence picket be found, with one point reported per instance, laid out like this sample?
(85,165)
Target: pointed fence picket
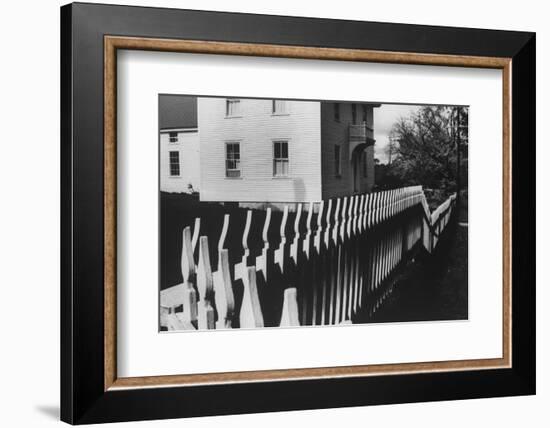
(331,262)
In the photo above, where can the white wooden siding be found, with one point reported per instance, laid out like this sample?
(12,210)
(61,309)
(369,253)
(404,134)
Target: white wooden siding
(256,128)
(336,132)
(188,148)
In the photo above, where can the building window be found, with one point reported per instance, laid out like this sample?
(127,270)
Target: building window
(365,168)
(354,113)
(364,113)
(278,106)
(173,136)
(280,158)
(174,164)
(337,162)
(232,160)
(232,107)
(337,112)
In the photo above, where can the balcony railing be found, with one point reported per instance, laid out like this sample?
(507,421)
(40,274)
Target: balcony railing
(361,133)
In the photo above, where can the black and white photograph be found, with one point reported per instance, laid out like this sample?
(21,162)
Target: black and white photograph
(290,212)
(275,214)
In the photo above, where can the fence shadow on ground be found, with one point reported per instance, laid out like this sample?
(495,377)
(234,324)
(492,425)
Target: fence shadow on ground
(317,264)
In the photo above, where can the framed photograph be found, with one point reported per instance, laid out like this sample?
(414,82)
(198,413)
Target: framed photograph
(265,213)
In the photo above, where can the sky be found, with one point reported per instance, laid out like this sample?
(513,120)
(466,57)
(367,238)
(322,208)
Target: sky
(384,118)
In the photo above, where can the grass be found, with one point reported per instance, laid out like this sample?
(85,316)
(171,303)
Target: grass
(434,287)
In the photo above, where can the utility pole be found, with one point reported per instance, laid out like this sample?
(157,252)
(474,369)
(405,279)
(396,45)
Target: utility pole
(391,144)
(457,135)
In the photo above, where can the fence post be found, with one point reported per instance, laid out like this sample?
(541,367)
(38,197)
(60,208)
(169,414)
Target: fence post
(223,292)
(308,281)
(294,250)
(205,285)
(279,256)
(196,234)
(223,288)
(334,260)
(264,261)
(189,277)
(340,286)
(240,268)
(325,259)
(289,317)
(251,313)
(357,262)
(363,250)
(352,233)
(317,265)
(297,262)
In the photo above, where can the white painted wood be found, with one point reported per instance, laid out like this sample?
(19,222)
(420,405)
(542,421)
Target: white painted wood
(339,280)
(255,129)
(188,147)
(240,268)
(279,255)
(205,286)
(251,313)
(289,317)
(223,292)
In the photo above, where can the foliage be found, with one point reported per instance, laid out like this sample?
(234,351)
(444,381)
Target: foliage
(423,149)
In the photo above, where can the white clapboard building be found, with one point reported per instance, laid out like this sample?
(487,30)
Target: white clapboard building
(265,150)
(179,144)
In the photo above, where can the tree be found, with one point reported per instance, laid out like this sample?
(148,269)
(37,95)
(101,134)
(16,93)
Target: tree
(424,147)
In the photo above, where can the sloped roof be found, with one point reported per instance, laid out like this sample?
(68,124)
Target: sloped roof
(177,111)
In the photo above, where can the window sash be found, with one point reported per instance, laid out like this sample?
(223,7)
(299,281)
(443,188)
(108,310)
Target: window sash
(278,106)
(280,149)
(337,111)
(354,113)
(174,164)
(280,167)
(232,160)
(232,107)
(173,137)
(280,159)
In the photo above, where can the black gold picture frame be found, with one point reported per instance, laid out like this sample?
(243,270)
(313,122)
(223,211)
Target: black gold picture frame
(91,391)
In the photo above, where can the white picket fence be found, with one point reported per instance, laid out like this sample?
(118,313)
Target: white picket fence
(334,265)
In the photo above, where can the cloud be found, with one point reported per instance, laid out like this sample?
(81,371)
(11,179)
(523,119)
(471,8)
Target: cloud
(384,118)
